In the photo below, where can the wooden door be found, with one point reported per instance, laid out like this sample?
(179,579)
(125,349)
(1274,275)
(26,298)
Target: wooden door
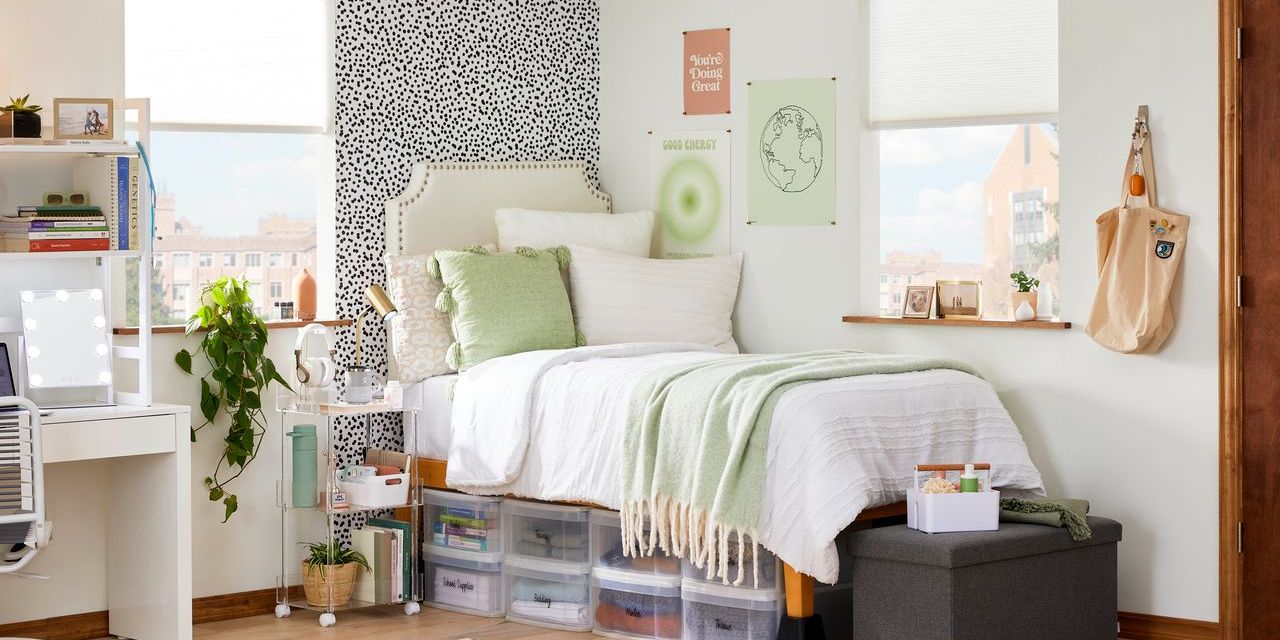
(1260,316)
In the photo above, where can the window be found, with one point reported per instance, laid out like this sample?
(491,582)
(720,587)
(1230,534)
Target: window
(158,260)
(236,173)
(276,291)
(295,259)
(181,260)
(968,142)
(181,299)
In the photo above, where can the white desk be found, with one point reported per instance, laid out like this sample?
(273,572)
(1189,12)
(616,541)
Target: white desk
(148,510)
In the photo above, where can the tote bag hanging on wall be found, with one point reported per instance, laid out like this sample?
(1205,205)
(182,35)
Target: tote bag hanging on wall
(1140,247)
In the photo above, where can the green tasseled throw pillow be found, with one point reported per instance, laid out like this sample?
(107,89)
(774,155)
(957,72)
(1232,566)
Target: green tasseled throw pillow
(504,303)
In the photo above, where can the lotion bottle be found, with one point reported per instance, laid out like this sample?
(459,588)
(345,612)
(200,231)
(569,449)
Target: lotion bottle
(969,480)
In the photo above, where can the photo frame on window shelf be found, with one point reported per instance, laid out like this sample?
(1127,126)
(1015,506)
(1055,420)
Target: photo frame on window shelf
(959,299)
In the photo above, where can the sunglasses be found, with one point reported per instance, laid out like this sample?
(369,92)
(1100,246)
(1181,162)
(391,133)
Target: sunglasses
(58,199)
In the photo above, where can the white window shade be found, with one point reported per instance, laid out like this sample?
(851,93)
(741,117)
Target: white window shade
(955,62)
(229,63)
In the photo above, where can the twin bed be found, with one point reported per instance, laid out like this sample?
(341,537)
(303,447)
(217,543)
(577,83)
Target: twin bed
(549,425)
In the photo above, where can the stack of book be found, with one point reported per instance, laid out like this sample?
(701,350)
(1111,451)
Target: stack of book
(55,228)
(385,543)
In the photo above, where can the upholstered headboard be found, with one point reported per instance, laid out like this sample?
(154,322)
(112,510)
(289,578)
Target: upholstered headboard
(451,205)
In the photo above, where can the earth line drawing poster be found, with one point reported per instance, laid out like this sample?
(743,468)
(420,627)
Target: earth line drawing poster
(791,152)
(689,176)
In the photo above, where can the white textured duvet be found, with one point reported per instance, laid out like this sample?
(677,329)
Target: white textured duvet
(549,425)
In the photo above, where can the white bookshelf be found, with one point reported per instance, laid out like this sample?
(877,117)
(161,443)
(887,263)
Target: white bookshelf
(28,170)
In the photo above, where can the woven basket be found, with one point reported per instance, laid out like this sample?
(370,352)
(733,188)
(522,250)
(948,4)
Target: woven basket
(315,582)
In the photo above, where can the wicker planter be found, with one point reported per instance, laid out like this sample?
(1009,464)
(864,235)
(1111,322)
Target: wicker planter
(315,582)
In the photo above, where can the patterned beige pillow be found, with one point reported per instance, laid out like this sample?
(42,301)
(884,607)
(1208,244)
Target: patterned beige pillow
(420,335)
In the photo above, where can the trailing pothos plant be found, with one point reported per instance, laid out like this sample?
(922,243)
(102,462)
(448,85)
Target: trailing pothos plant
(233,344)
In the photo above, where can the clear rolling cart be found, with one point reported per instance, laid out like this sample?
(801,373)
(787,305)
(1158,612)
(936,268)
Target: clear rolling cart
(322,488)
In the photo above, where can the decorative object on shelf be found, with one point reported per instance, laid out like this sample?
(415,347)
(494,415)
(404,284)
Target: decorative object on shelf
(1024,312)
(303,450)
(233,344)
(1140,246)
(82,118)
(329,573)
(23,119)
(1044,301)
(1025,288)
(918,302)
(73,198)
(378,303)
(363,384)
(959,299)
(65,342)
(304,295)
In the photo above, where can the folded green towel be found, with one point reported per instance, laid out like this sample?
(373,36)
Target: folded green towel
(1052,512)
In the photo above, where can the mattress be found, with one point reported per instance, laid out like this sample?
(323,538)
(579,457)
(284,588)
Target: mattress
(549,425)
(433,398)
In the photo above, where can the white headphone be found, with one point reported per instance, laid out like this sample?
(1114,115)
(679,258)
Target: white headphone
(311,371)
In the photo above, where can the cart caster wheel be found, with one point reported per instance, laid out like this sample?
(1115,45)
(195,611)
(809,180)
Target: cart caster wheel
(283,611)
(412,608)
(328,619)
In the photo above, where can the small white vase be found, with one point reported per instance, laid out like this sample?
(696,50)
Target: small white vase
(1044,303)
(1024,312)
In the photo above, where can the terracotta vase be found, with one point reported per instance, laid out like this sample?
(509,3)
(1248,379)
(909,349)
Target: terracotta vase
(1030,297)
(304,295)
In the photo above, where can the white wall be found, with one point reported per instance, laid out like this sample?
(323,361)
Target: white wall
(1136,435)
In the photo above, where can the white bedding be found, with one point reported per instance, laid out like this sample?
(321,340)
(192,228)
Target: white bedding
(548,425)
(433,398)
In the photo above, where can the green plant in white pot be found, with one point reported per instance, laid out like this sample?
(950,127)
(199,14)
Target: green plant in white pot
(1024,291)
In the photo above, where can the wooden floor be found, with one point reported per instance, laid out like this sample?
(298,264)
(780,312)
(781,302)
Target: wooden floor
(385,623)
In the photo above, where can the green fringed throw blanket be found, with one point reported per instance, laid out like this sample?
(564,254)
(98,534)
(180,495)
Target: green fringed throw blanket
(695,442)
(1053,512)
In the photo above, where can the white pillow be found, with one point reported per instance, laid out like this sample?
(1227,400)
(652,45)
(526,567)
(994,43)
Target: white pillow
(420,335)
(628,233)
(620,298)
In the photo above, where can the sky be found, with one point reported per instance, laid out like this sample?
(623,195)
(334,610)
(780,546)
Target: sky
(227,181)
(931,189)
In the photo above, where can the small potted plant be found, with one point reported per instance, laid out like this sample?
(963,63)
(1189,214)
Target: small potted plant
(329,573)
(1024,291)
(26,117)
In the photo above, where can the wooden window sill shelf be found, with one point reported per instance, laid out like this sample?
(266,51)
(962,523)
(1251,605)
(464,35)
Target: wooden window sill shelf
(960,322)
(271,324)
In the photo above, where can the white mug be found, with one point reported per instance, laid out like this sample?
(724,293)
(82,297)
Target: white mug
(363,384)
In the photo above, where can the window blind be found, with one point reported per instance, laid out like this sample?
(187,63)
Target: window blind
(956,62)
(229,63)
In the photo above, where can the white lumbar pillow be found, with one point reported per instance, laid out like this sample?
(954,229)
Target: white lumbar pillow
(628,233)
(620,298)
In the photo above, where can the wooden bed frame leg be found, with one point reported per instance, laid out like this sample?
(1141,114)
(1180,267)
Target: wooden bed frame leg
(800,623)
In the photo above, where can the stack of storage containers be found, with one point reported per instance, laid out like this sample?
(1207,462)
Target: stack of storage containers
(716,611)
(632,597)
(547,564)
(462,553)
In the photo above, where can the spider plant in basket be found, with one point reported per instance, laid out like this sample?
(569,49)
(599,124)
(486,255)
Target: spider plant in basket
(329,573)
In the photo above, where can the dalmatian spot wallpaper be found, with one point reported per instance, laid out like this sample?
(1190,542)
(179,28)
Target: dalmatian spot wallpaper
(446,81)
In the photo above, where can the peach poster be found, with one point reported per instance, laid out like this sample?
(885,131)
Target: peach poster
(706,72)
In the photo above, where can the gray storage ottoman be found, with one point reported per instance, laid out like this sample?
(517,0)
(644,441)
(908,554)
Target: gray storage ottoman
(1023,581)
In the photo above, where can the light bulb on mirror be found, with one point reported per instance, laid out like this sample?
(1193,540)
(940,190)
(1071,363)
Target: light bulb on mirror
(104,377)
(33,352)
(99,322)
(101,350)
(29,324)
(62,295)
(28,296)
(36,380)
(95,294)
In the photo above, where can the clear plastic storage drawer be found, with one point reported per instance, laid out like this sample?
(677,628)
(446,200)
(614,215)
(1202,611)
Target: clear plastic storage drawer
(606,548)
(464,581)
(548,594)
(461,521)
(717,612)
(546,531)
(636,605)
(768,563)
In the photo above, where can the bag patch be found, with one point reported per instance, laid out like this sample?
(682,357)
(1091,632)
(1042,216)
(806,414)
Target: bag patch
(1160,228)
(1164,249)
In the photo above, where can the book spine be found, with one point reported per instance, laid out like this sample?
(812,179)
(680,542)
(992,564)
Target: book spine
(85,223)
(121,204)
(69,235)
(69,245)
(133,202)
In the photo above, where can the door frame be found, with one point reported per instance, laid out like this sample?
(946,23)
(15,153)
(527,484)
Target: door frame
(1230,417)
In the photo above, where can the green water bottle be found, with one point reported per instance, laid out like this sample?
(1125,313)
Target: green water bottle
(304,465)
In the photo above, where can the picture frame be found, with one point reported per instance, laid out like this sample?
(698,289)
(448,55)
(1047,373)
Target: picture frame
(960,299)
(83,118)
(918,301)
